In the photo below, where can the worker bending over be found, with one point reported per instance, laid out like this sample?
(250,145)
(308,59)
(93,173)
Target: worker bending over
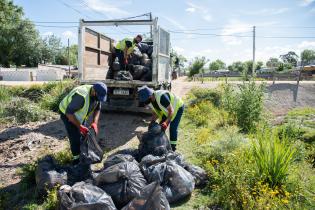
(75,109)
(124,48)
(166,107)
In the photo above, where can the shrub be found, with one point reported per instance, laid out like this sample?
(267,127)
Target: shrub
(22,110)
(63,157)
(27,174)
(211,95)
(51,100)
(33,93)
(272,157)
(245,105)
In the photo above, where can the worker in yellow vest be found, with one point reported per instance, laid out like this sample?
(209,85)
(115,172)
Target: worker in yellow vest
(124,48)
(77,107)
(166,107)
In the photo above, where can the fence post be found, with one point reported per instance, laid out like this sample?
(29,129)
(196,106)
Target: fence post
(273,78)
(225,79)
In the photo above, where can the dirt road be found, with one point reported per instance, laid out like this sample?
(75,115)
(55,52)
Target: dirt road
(25,143)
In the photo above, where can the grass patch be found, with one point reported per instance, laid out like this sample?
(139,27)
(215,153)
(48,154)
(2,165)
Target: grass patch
(52,99)
(22,110)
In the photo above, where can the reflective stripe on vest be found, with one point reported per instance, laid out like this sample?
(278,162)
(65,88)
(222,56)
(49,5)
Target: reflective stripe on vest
(81,114)
(175,101)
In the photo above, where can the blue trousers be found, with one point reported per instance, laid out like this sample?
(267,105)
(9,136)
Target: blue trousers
(174,127)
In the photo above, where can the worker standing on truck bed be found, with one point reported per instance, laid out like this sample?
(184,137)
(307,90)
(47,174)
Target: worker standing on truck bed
(75,110)
(124,48)
(166,107)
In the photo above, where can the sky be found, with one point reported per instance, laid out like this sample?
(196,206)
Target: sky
(216,29)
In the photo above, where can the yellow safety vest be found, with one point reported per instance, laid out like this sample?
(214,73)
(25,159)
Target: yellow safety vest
(81,114)
(175,101)
(121,45)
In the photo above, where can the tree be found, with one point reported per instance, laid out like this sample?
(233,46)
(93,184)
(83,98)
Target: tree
(51,47)
(19,41)
(197,66)
(237,66)
(291,58)
(62,56)
(259,65)
(216,65)
(307,56)
(177,59)
(273,63)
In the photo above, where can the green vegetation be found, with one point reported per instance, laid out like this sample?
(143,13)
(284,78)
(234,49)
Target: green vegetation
(21,105)
(268,168)
(197,66)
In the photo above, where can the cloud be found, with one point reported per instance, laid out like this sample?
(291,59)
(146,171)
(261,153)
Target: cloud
(48,33)
(200,10)
(305,3)
(173,22)
(267,11)
(107,7)
(232,28)
(191,9)
(69,34)
(306,44)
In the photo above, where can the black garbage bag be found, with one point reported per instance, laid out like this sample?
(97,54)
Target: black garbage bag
(90,150)
(151,197)
(147,76)
(84,196)
(177,183)
(48,175)
(200,175)
(123,76)
(79,172)
(154,142)
(118,158)
(145,48)
(139,71)
(122,182)
(134,152)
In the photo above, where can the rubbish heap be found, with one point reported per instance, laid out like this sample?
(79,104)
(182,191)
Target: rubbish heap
(150,177)
(139,65)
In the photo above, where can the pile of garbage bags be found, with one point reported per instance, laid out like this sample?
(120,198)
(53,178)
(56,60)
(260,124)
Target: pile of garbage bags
(150,177)
(139,65)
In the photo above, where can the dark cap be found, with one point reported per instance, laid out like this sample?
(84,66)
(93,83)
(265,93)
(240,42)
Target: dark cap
(101,91)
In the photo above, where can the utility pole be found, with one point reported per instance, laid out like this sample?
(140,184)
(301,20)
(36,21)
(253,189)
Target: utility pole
(151,26)
(69,56)
(254,49)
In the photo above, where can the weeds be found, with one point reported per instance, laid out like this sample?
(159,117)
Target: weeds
(51,100)
(272,157)
(21,110)
(27,175)
(63,157)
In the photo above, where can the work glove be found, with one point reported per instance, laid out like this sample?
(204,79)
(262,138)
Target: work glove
(164,125)
(83,130)
(94,126)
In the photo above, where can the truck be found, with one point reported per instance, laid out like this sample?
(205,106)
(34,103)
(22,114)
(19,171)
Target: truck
(95,60)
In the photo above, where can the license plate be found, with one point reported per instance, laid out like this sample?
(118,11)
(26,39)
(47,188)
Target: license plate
(124,92)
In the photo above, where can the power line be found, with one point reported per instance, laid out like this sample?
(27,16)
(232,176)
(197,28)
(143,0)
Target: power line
(54,22)
(245,36)
(54,26)
(74,9)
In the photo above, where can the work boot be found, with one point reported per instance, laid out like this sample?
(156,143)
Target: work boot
(173,147)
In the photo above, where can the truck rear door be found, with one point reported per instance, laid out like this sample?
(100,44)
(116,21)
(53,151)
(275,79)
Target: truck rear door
(95,53)
(163,58)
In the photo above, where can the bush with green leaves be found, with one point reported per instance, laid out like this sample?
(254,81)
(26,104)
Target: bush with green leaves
(245,105)
(198,95)
(272,157)
(22,110)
